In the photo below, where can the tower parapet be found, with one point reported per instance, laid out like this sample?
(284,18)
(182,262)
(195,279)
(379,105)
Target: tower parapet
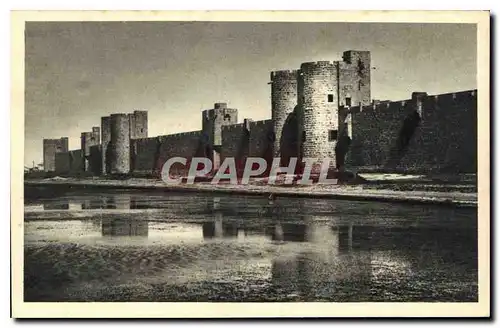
(214,119)
(212,122)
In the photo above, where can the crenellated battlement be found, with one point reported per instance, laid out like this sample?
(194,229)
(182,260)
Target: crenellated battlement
(261,123)
(453,96)
(284,74)
(233,126)
(144,140)
(309,106)
(428,99)
(181,135)
(220,105)
(211,113)
(319,63)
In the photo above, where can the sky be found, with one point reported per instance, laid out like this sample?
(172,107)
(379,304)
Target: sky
(77,72)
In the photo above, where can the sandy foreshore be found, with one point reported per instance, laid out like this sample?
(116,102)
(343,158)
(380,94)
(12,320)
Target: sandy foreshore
(453,195)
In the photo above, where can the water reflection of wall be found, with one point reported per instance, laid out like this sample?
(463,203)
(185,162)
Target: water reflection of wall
(112,201)
(56,205)
(93,203)
(88,203)
(124,227)
(62,204)
(224,221)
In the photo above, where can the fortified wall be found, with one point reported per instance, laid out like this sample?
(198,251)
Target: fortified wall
(422,134)
(320,110)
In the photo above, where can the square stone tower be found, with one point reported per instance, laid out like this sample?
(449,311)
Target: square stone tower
(138,121)
(212,122)
(88,140)
(354,79)
(50,148)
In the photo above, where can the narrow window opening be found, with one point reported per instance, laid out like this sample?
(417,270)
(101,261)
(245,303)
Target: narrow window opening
(332,135)
(348,102)
(330,98)
(227,117)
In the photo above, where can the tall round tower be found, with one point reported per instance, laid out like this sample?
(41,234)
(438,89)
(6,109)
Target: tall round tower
(283,102)
(105,140)
(120,144)
(318,111)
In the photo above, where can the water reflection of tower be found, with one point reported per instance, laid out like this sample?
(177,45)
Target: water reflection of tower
(118,201)
(284,232)
(326,263)
(278,230)
(125,224)
(216,227)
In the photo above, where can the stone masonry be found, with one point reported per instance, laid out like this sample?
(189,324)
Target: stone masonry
(106,138)
(120,144)
(50,148)
(283,103)
(322,110)
(318,110)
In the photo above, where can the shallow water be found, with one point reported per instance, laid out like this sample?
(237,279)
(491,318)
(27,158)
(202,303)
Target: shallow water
(162,246)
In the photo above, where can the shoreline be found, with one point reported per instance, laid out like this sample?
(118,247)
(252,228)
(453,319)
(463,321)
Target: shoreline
(339,192)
